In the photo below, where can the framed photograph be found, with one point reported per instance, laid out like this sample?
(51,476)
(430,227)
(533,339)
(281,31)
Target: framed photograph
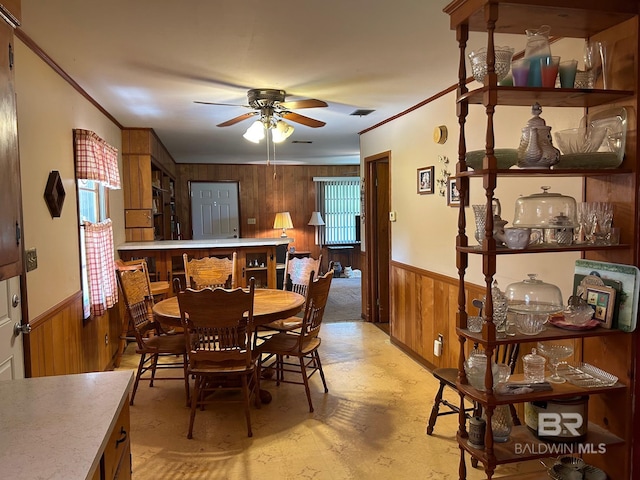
(602,300)
(453,196)
(425,180)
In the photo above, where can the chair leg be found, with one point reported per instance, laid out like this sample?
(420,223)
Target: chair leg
(186,376)
(514,415)
(154,364)
(436,408)
(306,382)
(138,375)
(247,411)
(279,369)
(256,386)
(316,357)
(194,403)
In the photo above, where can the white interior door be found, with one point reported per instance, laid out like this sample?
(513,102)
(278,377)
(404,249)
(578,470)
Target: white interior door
(214,210)
(11,352)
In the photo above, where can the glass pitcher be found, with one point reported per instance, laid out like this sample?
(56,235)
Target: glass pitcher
(537,47)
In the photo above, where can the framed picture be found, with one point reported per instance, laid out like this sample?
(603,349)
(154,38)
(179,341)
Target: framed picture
(453,196)
(425,180)
(602,300)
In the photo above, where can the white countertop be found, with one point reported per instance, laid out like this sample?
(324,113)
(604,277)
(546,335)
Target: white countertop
(222,243)
(57,427)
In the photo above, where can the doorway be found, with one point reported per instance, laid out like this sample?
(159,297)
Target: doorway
(377,235)
(214,210)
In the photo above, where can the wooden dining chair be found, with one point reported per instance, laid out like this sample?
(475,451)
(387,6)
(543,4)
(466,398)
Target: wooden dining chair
(152,342)
(210,272)
(158,288)
(303,346)
(221,358)
(298,273)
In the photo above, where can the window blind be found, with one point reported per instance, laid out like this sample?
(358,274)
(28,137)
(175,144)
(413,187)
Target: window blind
(338,201)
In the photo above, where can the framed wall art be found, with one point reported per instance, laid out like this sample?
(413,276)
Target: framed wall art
(426,180)
(453,195)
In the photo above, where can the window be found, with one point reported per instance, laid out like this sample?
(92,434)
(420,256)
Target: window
(96,166)
(92,204)
(338,201)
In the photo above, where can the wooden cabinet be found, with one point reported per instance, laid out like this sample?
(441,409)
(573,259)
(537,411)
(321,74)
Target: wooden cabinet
(10,194)
(611,409)
(116,459)
(149,186)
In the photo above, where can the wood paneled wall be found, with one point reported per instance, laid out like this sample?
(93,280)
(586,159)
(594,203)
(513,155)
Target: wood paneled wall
(262,194)
(423,305)
(61,343)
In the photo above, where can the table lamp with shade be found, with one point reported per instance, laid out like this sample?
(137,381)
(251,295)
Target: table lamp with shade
(283,221)
(316,220)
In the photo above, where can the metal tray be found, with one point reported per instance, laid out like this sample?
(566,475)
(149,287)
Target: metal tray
(586,375)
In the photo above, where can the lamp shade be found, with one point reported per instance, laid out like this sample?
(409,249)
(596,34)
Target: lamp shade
(316,219)
(255,132)
(281,131)
(283,221)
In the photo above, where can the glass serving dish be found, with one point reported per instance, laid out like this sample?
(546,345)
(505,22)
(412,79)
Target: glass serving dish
(609,152)
(533,296)
(541,210)
(478,60)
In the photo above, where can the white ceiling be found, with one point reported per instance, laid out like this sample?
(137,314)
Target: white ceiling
(146,61)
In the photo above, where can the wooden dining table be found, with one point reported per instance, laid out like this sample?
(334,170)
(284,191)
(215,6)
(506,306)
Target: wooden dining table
(268,305)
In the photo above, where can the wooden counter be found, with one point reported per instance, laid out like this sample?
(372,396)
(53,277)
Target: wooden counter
(63,426)
(256,256)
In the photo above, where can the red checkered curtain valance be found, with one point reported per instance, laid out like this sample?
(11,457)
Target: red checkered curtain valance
(103,290)
(96,159)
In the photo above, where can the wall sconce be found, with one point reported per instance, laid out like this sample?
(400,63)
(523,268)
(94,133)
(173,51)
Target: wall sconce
(283,221)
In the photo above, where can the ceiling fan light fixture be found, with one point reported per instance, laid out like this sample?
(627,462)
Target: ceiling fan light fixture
(281,131)
(255,132)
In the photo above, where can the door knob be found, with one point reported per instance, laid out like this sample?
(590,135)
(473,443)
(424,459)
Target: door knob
(19,328)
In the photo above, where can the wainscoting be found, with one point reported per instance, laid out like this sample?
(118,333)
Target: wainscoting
(423,305)
(61,342)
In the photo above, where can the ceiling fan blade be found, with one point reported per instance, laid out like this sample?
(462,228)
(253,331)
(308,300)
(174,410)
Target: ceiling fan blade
(237,119)
(296,117)
(308,103)
(222,104)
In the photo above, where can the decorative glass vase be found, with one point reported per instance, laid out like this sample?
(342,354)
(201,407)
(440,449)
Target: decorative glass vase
(480,214)
(501,423)
(499,310)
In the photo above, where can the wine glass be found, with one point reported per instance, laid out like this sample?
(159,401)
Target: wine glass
(556,351)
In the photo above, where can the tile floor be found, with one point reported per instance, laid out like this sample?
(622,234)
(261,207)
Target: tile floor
(371,424)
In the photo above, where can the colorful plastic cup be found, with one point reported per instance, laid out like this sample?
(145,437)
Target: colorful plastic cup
(549,71)
(520,72)
(567,72)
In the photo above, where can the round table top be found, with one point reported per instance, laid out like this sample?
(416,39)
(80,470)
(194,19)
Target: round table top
(268,305)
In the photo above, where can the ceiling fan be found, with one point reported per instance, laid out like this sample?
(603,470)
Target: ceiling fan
(271,106)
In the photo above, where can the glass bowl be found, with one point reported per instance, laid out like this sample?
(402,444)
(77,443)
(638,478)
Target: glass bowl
(531,323)
(479,62)
(581,140)
(578,315)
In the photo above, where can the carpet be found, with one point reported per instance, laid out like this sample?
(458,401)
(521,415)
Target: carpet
(345,301)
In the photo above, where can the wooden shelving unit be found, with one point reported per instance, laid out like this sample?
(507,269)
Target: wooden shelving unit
(611,409)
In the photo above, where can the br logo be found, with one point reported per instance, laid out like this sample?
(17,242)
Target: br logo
(554,424)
